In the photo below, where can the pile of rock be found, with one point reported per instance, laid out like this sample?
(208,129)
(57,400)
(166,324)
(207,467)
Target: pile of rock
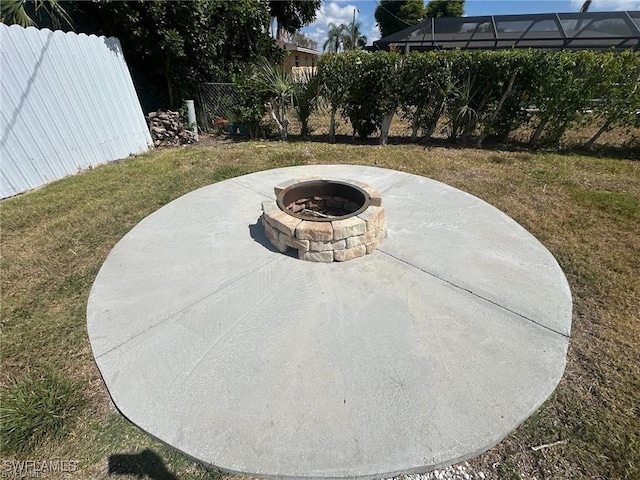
(167,129)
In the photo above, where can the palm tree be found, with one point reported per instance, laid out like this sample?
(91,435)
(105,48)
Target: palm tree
(306,98)
(14,12)
(352,37)
(334,37)
(272,83)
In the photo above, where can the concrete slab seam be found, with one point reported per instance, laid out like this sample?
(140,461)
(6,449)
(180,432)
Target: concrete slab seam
(399,182)
(233,180)
(473,293)
(279,258)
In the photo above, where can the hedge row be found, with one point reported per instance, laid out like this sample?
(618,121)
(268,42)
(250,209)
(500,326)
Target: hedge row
(485,94)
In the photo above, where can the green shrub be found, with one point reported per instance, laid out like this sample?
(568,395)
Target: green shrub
(37,407)
(620,72)
(423,90)
(374,92)
(335,76)
(483,94)
(250,109)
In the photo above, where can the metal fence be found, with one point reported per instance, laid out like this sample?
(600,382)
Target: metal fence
(67,103)
(217,100)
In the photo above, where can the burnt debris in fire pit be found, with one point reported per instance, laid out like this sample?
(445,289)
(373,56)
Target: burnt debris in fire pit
(322,200)
(323,207)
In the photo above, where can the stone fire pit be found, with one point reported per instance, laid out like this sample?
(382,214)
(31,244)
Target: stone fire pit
(325,220)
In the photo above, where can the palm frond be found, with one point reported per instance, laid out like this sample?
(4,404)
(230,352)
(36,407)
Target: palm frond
(14,12)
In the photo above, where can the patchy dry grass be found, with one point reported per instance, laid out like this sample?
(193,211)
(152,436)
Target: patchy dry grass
(586,210)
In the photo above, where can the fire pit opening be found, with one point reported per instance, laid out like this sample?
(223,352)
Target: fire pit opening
(325,220)
(323,200)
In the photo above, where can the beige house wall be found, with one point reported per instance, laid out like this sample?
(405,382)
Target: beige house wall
(298,59)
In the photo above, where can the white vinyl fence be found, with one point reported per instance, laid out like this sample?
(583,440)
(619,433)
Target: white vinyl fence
(67,103)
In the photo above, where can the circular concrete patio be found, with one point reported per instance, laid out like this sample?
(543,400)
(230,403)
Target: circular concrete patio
(424,353)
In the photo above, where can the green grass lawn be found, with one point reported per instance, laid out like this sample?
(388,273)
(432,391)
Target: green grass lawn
(585,210)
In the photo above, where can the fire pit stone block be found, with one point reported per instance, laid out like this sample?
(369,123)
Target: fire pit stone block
(273,235)
(374,195)
(358,240)
(332,245)
(349,253)
(317,231)
(281,186)
(300,245)
(349,227)
(375,218)
(326,256)
(371,246)
(283,222)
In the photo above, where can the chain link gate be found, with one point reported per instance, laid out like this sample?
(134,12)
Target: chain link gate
(218,101)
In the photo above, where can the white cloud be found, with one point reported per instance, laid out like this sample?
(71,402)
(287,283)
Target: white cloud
(318,34)
(608,5)
(373,35)
(331,12)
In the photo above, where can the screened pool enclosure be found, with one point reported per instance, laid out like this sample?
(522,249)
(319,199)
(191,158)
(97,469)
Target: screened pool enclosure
(566,31)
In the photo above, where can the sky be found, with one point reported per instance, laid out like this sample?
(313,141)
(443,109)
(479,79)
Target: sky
(342,11)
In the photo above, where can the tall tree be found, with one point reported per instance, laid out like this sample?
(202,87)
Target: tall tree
(352,37)
(335,35)
(445,8)
(393,16)
(292,15)
(171,47)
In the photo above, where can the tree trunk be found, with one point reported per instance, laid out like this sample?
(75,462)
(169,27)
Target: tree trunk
(472,124)
(167,76)
(434,120)
(559,133)
(432,128)
(455,127)
(605,128)
(538,133)
(332,126)
(494,115)
(282,125)
(384,129)
(414,124)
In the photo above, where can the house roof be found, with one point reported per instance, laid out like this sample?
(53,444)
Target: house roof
(292,47)
(595,30)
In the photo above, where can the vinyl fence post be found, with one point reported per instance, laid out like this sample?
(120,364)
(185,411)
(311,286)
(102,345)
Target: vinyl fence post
(191,117)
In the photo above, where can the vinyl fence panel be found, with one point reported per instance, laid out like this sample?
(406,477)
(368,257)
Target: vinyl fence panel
(67,103)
